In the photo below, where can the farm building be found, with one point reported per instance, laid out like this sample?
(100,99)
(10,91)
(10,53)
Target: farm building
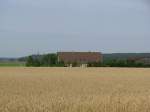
(145,61)
(79,58)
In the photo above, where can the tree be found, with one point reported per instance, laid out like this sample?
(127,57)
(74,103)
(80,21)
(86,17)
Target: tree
(46,60)
(30,61)
(36,63)
(60,64)
(49,60)
(53,59)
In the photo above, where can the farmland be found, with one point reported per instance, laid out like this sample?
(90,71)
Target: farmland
(12,64)
(74,89)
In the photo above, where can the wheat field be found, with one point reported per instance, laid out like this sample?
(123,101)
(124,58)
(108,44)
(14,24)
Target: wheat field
(74,90)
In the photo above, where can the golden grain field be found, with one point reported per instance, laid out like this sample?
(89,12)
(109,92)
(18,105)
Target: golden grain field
(74,90)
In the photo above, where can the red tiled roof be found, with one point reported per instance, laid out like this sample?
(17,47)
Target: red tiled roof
(81,57)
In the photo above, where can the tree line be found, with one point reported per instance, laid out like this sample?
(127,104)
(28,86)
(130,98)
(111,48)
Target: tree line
(50,60)
(47,60)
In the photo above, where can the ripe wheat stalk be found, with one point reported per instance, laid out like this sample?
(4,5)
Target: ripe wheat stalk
(74,90)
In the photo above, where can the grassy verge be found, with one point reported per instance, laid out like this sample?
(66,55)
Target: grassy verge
(12,64)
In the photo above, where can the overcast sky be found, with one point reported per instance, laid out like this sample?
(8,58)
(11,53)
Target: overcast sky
(32,26)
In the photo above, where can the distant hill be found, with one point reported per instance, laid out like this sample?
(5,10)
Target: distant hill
(11,62)
(123,56)
(7,59)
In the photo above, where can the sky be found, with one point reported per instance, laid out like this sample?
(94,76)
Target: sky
(43,26)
